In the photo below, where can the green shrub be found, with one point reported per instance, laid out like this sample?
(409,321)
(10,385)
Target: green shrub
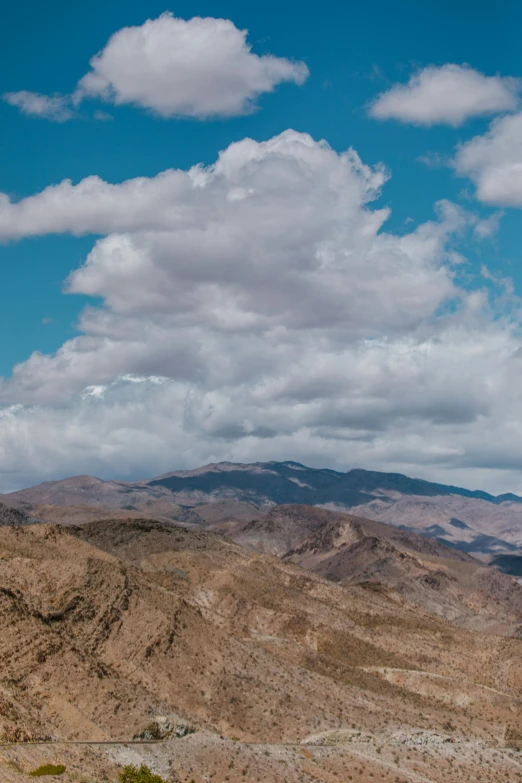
(48,769)
(132,774)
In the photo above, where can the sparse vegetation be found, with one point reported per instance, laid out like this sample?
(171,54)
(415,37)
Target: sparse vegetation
(513,738)
(17,734)
(143,774)
(48,769)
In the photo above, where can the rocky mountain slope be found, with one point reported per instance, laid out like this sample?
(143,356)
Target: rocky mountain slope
(14,516)
(352,550)
(473,521)
(150,619)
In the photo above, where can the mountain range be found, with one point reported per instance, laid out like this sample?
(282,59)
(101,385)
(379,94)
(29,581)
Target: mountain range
(361,652)
(488,526)
(261,622)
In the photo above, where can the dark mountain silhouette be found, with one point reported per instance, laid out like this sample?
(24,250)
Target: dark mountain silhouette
(291,482)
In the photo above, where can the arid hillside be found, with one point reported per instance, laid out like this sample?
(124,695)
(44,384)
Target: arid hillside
(14,516)
(352,550)
(154,624)
(471,520)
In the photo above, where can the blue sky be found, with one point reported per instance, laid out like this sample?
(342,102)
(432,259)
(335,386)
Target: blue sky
(353,53)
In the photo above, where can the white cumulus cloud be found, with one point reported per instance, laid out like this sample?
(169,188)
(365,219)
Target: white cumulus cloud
(200,67)
(258,308)
(446,95)
(494,162)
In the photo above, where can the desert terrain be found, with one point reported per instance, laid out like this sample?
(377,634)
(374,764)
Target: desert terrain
(124,629)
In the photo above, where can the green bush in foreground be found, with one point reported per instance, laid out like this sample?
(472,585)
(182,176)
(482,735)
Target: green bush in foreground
(48,769)
(132,774)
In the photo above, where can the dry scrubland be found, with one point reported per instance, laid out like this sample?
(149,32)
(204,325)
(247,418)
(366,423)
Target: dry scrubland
(112,626)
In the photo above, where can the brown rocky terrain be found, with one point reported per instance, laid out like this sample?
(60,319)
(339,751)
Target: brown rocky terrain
(115,625)
(348,549)
(471,520)
(14,516)
(459,518)
(87,490)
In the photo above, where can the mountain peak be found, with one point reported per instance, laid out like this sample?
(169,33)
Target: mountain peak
(486,523)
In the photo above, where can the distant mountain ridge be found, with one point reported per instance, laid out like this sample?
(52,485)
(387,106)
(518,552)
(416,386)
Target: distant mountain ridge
(469,520)
(328,485)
